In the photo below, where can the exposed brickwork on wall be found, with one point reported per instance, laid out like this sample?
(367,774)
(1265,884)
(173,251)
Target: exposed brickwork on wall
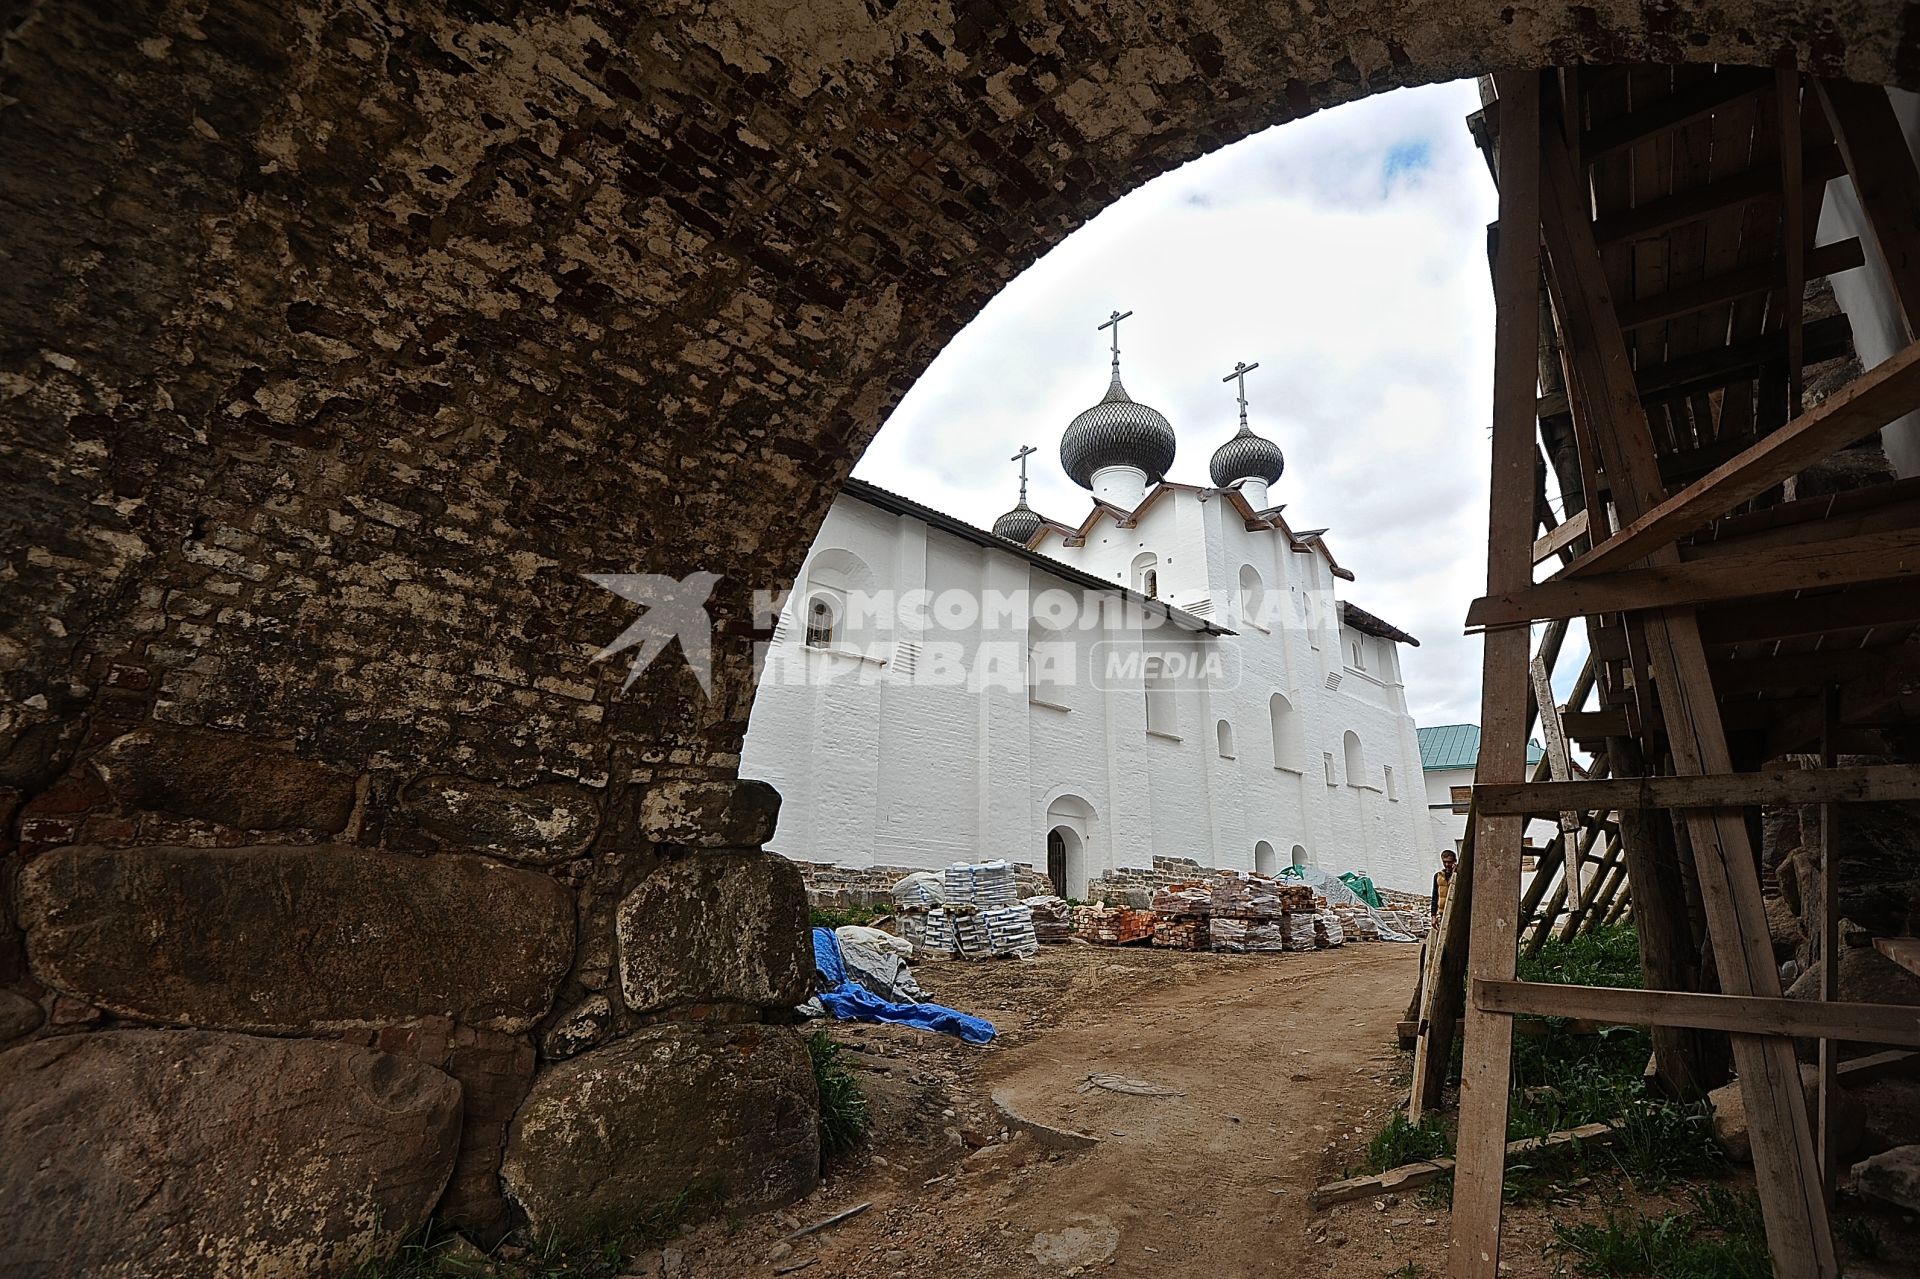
(342,339)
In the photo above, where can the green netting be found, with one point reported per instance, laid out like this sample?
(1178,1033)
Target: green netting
(1363,888)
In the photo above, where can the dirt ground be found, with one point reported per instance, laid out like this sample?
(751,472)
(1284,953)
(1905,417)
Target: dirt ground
(1281,1067)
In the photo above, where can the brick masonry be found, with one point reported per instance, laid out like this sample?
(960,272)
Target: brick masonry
(342,340)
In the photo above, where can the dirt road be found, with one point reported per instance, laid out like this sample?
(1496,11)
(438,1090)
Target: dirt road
(1268,1073)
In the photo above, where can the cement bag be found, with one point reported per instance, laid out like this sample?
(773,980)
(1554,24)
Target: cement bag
(852,934)
(879,968)
(922,888)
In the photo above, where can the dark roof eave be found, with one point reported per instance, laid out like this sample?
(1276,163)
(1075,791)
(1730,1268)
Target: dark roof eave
(1367,624)
(895,504)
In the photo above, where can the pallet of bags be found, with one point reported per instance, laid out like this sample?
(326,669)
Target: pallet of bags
(1327,932)
(1184,932)
(1296,929)
(1009,931)
(982,884)
(1052,920)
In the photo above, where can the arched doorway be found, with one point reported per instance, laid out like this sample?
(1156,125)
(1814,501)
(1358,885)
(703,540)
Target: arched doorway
(1300,855)
(1265,860)
(1069,823)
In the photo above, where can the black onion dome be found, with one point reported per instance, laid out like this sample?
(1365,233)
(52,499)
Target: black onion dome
(1117,432)
(1247,456)
(1019,524)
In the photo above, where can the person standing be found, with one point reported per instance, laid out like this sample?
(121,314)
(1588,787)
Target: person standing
(1443,880)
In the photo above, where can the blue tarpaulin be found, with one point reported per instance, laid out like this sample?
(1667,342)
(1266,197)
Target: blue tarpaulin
(847,1000)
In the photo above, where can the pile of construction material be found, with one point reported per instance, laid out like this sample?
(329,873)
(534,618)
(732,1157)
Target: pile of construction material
(1113,925)
(1254,912)
(1356,922)
(1052,920)
(1180,913)
(1231,933)
(969,911)
(1327,932)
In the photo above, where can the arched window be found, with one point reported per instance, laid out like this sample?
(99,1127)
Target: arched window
(1253,596)
(1286,732)
(1224,731)
(1264,859)
(1356,765)
(1146,574)
(1163,712)
(1299,854)
(822,620)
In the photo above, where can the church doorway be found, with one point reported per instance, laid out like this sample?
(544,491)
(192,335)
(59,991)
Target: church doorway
(1069,829)
(1057,859)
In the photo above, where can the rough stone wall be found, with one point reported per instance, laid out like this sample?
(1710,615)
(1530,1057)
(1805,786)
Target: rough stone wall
(338,341)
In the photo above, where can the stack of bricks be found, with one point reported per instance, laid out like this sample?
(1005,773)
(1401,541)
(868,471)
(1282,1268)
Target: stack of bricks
(1112,925)
(1180,916)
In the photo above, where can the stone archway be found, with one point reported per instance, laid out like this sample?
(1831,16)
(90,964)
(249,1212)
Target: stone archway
(340,350)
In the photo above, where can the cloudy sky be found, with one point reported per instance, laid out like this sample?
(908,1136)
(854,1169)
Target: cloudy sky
(1344,253)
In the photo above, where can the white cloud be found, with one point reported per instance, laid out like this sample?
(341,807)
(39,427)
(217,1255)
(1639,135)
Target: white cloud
(1346,254)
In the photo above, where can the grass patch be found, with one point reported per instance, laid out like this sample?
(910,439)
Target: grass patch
(842,916)
(844,1117)
(1720,1237)
(1604,957)
(1401,1142)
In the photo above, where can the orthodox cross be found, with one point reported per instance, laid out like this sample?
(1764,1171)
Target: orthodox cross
(1240,370)
(1113,322)
(1021,458)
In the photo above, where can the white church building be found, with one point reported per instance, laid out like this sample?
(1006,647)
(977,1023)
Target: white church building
(1171,680)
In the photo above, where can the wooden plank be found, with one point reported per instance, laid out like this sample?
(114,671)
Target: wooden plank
(1829,914)
(1874,557)
(1894,1061)
(1670,112)
(1773,1015)
(1588,726)
(1413,1176)
(1793,232)
(1718,290)
(1655,217)
(1791,673)
(1493,940)
(1872,400)
(1565,534)
(1904,951)
(1741,360)
(1786,1171)
(1858,608)
(1865,783)
(1886,180)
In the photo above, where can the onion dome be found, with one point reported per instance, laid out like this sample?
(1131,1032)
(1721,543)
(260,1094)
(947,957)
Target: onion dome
(1117,432)
(1019,524)
(1247,456)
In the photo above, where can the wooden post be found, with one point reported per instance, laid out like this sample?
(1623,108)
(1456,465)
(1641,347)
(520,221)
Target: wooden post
(1493,942)
(1786,1162)
(1829,943)
(1886,180)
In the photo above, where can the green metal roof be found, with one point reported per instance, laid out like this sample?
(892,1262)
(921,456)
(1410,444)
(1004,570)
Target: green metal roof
(1458,746)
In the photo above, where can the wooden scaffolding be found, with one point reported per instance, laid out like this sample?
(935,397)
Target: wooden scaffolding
(1653,354)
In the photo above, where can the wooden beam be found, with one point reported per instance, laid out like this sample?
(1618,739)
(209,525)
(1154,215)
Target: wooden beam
(1797,673)
(1786,1171)
(1869,783)
(1872,400)
(1886,180)
(1564,534)
(1493,940)
(1793,217)
(1858,608)
(1894,1061)
(1413,1176)
(1687,105)
(1718,290)
(1875,557)
(1821,165)
(1829,914)
(1740,1014)
(1743,360)
(1904,951)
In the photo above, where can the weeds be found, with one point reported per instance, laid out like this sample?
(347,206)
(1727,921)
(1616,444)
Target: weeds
(843,1107)
(1721,1237)
(1401,1142)
(842,916)
(1858,1237)
(599,1251)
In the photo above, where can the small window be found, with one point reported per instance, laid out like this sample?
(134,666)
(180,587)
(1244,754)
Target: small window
(820,622)
(1162,712)
(1393,791)
(1253,597)
(1150,583)
(1326,758)
(1356,762)
(1146,574)
(1224,731)
(1359,655)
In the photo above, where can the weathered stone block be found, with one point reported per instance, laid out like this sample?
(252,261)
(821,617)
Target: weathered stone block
(227,778)
(297,938)
(1892,1176)
(710,814)
(617,1131)
(706,929)
(18,1015)
(1866,976)
(1730,1116)
(137,1153)
(543,824)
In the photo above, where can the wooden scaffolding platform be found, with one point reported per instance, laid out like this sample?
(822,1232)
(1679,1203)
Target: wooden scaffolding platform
(1654,345)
